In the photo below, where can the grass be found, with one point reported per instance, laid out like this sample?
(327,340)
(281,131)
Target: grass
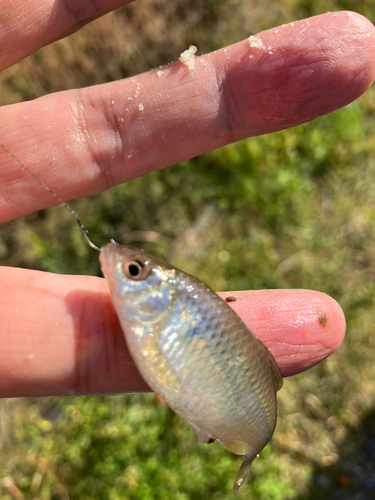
(290,210)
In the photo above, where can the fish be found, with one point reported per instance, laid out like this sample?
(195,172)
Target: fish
(194,352)
(190,346)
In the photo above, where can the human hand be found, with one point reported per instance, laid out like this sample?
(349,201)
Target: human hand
(59,334)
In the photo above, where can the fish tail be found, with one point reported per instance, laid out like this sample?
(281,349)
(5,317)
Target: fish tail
(244,470)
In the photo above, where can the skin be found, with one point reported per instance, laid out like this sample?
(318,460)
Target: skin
(59,334)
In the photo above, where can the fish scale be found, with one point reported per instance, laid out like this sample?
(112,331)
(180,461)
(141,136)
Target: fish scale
(194,351)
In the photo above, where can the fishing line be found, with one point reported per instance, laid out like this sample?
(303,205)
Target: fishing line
(84,231)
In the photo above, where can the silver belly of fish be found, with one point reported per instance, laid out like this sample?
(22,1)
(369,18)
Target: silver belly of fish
(194,351)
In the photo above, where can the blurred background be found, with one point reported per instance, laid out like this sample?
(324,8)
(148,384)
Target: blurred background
(293,209)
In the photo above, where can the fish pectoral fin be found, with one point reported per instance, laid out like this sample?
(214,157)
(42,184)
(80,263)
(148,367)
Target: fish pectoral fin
(244,470)
(203,436)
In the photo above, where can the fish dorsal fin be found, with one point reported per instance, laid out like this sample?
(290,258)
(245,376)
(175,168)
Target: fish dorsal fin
(278,379)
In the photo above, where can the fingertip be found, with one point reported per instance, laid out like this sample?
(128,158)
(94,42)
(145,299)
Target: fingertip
(358,21)
(334,320)
(360,32)
(300,327)
(302,70)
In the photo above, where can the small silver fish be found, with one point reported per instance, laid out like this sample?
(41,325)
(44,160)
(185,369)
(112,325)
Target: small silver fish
(190,347)
(194,352)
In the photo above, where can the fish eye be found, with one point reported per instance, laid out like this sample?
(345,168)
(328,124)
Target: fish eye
(137,268)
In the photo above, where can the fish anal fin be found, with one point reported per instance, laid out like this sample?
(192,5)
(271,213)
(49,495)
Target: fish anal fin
(237,447)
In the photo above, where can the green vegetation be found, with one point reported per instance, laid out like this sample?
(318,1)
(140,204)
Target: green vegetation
(294,209)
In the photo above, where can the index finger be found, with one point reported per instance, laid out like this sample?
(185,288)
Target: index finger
(82,142)
(60,334)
